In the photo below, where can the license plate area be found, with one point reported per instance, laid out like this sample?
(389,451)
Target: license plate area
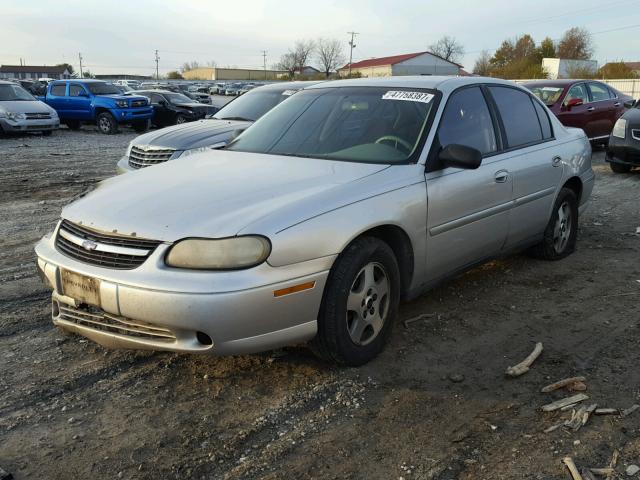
(81,288)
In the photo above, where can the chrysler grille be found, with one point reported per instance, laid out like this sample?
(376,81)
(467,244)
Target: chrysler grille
(141,157)
(103,250)
(100,320)
(37,116)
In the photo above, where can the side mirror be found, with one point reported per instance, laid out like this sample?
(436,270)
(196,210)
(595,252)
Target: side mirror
(574,102)
(460,156)
(629,103)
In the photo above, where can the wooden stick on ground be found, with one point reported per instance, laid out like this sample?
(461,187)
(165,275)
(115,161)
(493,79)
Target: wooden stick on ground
(550,407)
(587,475)
(630,410)
(562,383)
(419,317)
(602,472)
(523,367)
(568,461)
(612,464)
(606,411)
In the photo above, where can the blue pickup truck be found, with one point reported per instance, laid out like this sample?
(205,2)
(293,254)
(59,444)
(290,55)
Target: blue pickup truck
(94,101)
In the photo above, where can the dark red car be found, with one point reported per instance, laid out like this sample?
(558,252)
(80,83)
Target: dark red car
(587,104)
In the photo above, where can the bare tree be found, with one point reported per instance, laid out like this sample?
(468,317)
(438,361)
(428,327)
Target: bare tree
(212,63)
(302,51)
(192,65)
(288,62)
(483,64)
(576,44)
(329,54)
(448,48)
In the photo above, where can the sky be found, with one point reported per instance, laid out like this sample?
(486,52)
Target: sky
(121,37)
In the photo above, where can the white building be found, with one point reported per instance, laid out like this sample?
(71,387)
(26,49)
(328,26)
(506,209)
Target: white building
(420,63)
(565,68)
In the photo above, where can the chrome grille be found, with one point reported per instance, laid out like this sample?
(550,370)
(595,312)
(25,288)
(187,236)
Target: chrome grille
(98,319)
(141,157)
(108,251)
(38,116)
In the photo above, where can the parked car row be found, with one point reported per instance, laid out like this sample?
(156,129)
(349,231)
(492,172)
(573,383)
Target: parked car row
(314,222)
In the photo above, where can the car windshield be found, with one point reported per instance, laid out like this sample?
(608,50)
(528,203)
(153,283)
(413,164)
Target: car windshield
(359,124)
(549,95)
(100,88)
(253,105)
(14,93)
(177,98)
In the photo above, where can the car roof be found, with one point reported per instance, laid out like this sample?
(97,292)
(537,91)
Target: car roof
(80,80)
(286,85)
(446,84)
(555,83)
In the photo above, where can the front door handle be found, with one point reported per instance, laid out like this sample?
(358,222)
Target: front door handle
(555,161)
(591,109)
(501,176)
(617,104)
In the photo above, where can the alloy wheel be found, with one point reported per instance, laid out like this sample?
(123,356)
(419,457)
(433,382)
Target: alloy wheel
(368,303)
(562,228)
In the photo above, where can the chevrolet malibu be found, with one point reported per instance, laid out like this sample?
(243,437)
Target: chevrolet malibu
(314,223)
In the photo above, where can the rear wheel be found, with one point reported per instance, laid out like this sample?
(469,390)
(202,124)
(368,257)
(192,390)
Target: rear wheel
(72,124)
(360,304)
(560,235)
(107,124)
(620,167)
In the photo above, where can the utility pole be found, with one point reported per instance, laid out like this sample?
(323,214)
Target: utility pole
(352,45)
(157,60)
(264,63)
(80,60)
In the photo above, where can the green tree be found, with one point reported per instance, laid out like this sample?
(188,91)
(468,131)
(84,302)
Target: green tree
(174,75)
(616,70)
(547,48)
(576,44)
(69,67)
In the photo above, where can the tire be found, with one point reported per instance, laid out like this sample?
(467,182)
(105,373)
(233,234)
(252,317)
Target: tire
(141,126)
(560,235)
(72,124)
(107,124)
(358,279)
(619,167)
(180,119)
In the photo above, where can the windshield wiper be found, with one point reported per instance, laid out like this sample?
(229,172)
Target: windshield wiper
(239,119)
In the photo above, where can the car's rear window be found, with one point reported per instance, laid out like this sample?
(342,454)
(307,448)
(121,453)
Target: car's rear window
(518,114)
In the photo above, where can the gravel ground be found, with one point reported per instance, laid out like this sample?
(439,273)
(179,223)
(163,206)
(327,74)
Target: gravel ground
(434,405)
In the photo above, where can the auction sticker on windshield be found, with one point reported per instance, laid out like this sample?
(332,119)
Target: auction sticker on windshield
(408,96)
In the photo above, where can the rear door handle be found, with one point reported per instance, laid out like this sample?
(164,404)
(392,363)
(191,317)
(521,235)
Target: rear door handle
(617,104)
(591,109)
(501,176)
(555,161)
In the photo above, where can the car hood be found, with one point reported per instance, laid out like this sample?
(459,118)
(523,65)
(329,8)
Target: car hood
(632,116)
(192,135)
(214,194)
(122,96)
(25,107)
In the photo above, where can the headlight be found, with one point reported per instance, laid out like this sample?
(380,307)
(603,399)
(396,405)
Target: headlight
(121,104)
(16,116)
(219,254)
(620,128)
(54,114)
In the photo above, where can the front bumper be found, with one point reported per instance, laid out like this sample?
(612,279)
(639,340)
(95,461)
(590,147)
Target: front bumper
(129,115)
(237,310)
(625,151)
(29,125)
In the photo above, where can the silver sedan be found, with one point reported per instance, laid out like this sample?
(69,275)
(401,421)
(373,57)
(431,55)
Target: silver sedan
(316,221)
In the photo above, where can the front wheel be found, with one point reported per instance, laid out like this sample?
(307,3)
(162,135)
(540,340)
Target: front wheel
(107,124)
(560,235)
(180,119)
(359,305)
(619,167)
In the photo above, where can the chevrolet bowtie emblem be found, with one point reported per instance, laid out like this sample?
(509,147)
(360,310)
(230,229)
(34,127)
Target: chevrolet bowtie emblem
(89,245)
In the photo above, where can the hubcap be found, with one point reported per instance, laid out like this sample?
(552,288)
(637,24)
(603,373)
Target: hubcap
(368,303)
(180,120)
(562,228)
(105,124)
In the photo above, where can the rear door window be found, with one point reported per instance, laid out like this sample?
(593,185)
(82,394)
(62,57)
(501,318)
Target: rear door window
(519,116)
(599,92)
(74,90)
(466,121)
(59,90)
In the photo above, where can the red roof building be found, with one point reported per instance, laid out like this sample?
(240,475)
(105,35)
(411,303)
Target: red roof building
(419,63)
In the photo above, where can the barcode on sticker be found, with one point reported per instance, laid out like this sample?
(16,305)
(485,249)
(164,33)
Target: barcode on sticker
(408,96)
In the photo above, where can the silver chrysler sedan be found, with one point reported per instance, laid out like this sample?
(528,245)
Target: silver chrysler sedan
(315,222)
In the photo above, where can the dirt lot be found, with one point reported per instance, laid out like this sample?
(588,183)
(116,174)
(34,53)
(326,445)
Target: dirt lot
(434,405)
